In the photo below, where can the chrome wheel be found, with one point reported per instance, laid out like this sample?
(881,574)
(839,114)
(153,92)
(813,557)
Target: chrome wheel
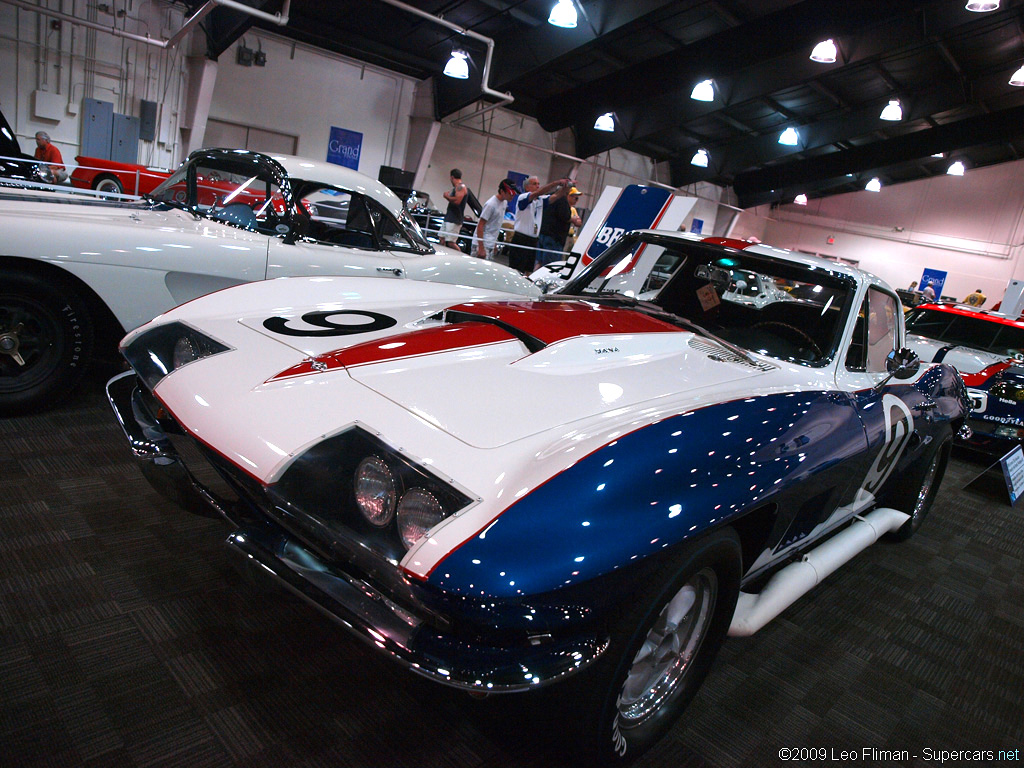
(666,655)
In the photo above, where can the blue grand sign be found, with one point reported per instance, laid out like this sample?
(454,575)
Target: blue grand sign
(344,147)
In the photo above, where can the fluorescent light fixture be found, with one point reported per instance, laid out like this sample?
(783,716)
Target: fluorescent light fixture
(939,154)
(789,137)
(874,185)
(605,122)
(956,169)
(800,199)
(1018,77)
(700,158)
(458,66)
(563,14)
(893,111)
(981,6)
(825,52)
(703,91)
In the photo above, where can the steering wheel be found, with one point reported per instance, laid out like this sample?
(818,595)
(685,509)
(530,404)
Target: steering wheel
(793,332)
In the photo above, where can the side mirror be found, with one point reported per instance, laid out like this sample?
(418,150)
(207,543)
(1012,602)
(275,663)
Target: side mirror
(902,363)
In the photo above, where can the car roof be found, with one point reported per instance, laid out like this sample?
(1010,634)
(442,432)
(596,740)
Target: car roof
(967,311)
(763,249)
(338,175)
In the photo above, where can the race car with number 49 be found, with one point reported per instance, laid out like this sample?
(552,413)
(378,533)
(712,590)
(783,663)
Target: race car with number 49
(586,491)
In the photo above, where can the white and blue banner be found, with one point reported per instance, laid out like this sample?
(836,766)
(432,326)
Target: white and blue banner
(344,147)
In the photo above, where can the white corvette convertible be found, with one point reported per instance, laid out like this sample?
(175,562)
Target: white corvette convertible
(76,271)
(587,490)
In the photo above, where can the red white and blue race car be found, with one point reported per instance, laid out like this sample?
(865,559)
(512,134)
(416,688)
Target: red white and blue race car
(587,490)
(987,348)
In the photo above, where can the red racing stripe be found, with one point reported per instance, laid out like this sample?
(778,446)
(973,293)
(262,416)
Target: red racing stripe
(548,321)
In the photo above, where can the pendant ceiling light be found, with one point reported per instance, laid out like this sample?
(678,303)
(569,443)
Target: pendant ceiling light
(825,52)
(874,185)
(982,6)
(458,66)
(703,91)
(700,158)
(893,111)
(956,169)
(789,137)
(605,122)
(563,14)
(1018,77)
(800,199)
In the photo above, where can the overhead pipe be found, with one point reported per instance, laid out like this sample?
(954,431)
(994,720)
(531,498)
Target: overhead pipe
(281,19)
(485,88)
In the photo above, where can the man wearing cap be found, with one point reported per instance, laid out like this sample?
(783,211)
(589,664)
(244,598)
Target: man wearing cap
(529,211)
(489,225)
(456,209)
(554,229)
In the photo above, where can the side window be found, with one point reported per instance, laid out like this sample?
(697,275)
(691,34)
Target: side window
(337,217)
(882,327)
(387,228)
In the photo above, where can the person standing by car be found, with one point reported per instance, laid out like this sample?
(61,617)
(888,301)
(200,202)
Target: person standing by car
(491,216)
(928,291)
(529,210)
(456,209)
(555,227)
(50,155)
(975,299)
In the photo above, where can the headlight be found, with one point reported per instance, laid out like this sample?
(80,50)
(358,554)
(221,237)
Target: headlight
(158,351)
(376,491)
(418,512)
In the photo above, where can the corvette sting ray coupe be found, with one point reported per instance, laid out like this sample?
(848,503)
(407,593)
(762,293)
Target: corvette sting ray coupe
(585,491)
(77,272)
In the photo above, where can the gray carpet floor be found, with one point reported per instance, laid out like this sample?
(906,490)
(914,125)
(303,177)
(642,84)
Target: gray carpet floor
(127,639)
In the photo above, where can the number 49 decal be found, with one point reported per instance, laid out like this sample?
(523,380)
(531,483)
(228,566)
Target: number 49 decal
(899,425)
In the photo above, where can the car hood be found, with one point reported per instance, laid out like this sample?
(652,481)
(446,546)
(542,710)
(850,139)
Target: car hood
(965,359)
(546,362)
(326,353)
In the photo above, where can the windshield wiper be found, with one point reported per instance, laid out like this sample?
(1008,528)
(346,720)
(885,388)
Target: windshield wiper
(654,310)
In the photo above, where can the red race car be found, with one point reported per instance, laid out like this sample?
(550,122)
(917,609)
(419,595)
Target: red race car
(111,176)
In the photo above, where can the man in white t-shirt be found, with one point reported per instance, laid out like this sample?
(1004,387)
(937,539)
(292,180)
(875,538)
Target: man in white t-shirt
(529,211)
(489,225)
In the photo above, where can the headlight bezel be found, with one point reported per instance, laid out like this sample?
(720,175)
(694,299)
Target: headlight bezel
(155,353)
(317,489)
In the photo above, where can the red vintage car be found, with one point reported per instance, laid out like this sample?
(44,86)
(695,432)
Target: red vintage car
(111,176)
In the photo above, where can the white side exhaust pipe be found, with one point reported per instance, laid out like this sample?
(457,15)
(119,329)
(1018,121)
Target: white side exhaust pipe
(794,581)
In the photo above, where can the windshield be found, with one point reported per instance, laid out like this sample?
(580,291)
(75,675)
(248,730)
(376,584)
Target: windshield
(964,330)
(758,303)
(242,194)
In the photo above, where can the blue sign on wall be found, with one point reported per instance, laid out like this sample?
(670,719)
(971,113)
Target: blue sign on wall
(344,147)
(698,226)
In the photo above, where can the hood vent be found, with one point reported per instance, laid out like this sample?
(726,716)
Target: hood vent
(722,355)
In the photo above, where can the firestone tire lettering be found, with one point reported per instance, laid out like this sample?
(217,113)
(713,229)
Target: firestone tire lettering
(377,322)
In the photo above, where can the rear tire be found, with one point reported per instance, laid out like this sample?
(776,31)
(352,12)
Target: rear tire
(920,493)
(46,341)
(662,647)
(108,184)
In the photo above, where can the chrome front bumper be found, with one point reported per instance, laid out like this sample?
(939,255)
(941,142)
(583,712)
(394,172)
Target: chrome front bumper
(352,602)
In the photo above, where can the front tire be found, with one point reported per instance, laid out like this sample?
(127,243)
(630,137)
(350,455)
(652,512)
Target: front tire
(661,650)
(46,340)
(920,494)
(108,184)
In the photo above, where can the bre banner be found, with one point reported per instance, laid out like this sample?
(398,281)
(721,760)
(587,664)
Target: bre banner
(344,147)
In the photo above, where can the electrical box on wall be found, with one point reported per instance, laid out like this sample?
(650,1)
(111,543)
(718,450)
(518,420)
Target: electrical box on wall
(147,120)
(47,106)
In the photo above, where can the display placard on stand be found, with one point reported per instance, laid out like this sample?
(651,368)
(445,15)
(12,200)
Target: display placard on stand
(1013,472)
